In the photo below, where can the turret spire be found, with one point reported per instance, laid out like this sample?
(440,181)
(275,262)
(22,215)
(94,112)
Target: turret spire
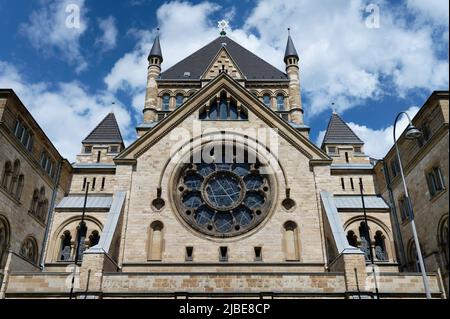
(156,51)
(291,52)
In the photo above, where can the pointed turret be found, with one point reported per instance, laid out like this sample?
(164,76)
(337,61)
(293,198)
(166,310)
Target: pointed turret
(155,59)
(103,143)
(156,51)
(291,52)
(293,71)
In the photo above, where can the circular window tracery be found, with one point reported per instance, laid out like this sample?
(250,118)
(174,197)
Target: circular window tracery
(223,199)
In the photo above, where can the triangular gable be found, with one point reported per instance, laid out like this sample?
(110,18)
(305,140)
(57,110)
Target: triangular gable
(223,59)
(248,100)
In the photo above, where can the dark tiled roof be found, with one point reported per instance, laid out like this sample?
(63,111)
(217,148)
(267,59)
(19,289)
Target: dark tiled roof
(338,132)
(156,49)
(290,50)
(253,67)
(106,132)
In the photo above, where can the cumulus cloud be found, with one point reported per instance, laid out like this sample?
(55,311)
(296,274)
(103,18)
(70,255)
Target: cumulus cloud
(56,28)
(377,142)
(108,39)
(342,60)
(67,112)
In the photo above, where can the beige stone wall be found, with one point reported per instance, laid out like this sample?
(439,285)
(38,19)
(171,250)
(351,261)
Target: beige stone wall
(76,186)
(147,176)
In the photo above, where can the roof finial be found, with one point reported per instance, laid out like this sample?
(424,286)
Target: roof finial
(334,108)
(289,31)
(223,25)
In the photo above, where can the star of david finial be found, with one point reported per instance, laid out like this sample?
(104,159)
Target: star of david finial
(223,26)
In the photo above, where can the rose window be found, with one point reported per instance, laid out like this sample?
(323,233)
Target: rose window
(223,200)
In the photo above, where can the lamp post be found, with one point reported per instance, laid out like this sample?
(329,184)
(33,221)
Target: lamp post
(412,133)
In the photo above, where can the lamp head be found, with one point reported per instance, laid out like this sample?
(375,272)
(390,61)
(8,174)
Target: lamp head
(413,133)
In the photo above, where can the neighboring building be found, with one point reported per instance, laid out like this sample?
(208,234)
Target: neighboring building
(223,194)
(425,164)
(33,177)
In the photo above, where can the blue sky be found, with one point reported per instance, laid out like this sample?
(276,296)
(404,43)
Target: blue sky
(371,58)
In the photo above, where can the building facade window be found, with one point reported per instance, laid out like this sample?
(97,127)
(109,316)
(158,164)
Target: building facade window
(7,174)
(23,133)
(4,241)
(189,253)
(280,102)
(365,240)
(258,254)
(395,167)
(404,208)
(267,100)
(380,247)
(88,150)
(223,254)
(352,239)
(65,252)
(156,241)
(291,243)
(29,250)
(223,109)
(166,102)
(179,99)
(435,181)
(47,163)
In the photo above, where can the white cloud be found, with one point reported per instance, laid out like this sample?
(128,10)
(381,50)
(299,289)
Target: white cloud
(342,61)
(436,10)
(377,142)
(52,30)
(67,112)
(108,38)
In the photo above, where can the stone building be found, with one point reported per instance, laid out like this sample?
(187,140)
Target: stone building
(425,164)
(34,177)
(222,194)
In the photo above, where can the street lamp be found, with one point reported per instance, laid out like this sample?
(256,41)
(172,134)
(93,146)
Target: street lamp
(412,133)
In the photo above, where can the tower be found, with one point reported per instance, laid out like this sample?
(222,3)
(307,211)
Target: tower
(291,60)
(155,60)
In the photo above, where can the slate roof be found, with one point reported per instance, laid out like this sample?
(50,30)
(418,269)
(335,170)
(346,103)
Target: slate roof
(338,132)
(106,132)
(290,50)
(355,202)
(252,67)
(156,49)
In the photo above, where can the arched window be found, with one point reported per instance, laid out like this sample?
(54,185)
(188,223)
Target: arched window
(81,236)
(267,100)
(280,102)
(179,99)
(443,242)
(223,109)
(413,258)
(365,240)
(166,102)
(7,172)
(380,247)
(65,252)
(94,239)
(29,249)
(352,239)
(4,241)
(34,202)
(15,177)
(42,206)
(20,185)
(291,241)
(156,241)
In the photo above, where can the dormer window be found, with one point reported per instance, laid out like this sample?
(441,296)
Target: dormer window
(280,102)
(332,149)
(357,149)
(166,102)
